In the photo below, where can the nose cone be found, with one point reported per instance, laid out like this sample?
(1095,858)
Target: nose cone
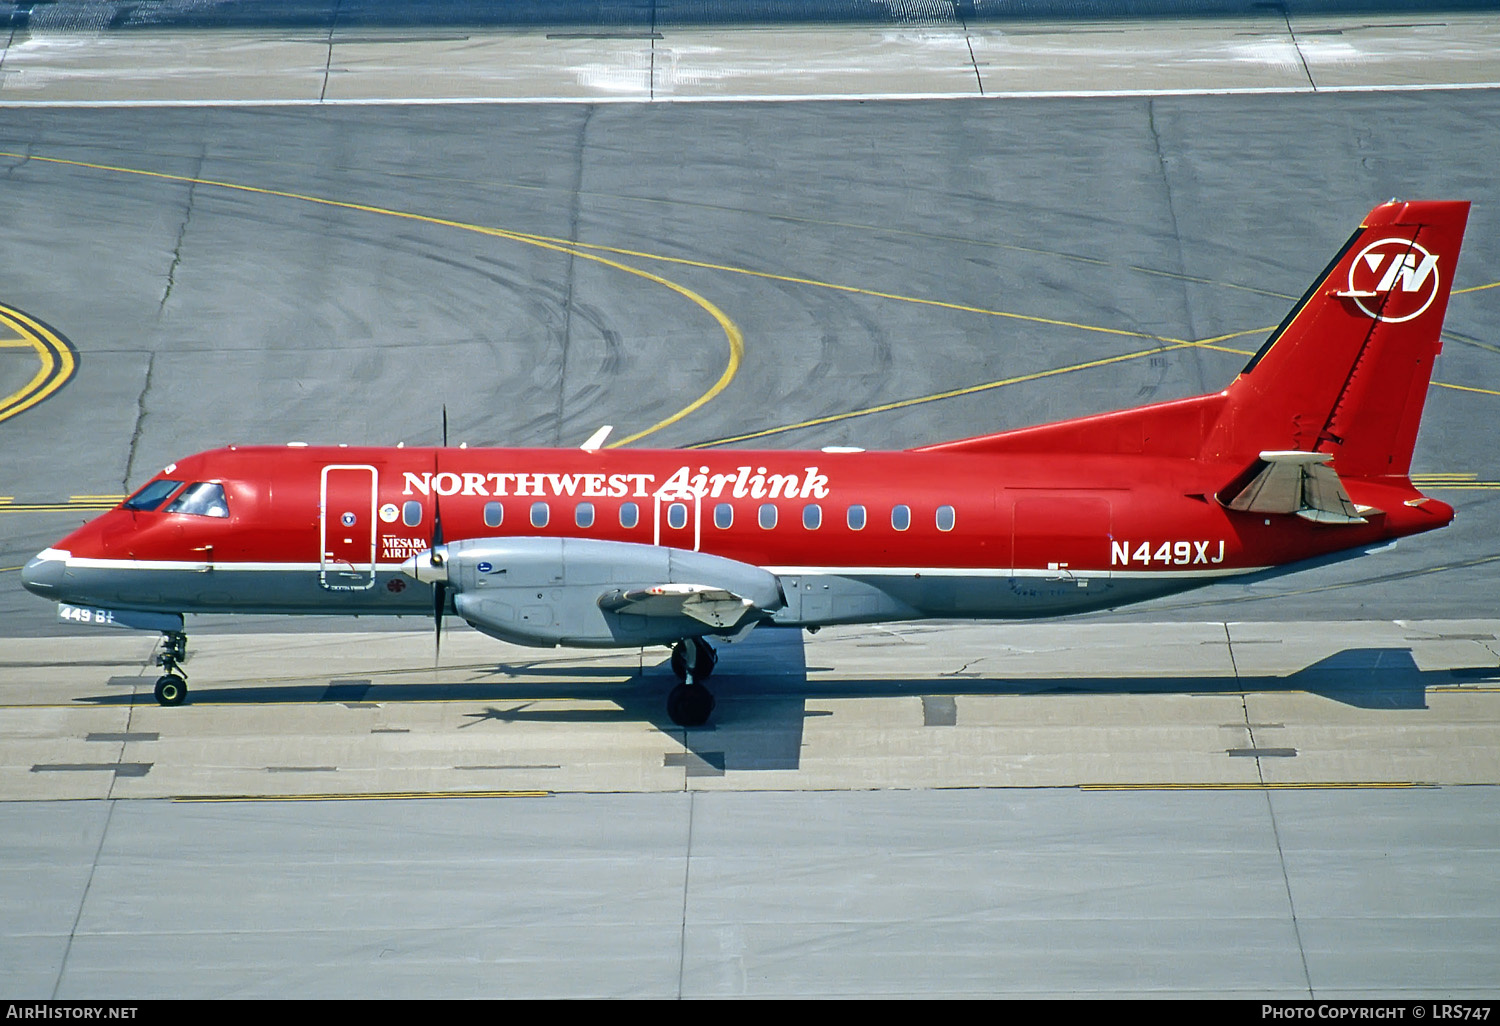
(430,567)
(43,573)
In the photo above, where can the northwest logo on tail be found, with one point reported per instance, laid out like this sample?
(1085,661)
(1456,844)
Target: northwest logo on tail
(1393,280)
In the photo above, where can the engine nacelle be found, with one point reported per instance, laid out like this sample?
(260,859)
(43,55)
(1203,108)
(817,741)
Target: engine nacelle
(547,591)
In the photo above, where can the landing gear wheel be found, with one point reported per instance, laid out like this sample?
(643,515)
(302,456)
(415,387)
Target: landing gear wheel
(707,660)
(171,687)
(690,705)
(171,690)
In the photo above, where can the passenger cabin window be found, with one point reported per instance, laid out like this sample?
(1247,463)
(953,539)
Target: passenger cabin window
(201,499)
(494,514)
(630,514)
(677,516)
(766,517)
(945,518)
(812,516)
(411,513)
(900,517)
(856,518)
(723,516)
(540,514)
(583,515)
(152,496)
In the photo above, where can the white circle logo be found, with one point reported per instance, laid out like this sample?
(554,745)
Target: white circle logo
(1393,280)
(389,513)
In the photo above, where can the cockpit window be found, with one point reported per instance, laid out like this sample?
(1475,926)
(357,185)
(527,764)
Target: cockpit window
(153,495)
(203,499)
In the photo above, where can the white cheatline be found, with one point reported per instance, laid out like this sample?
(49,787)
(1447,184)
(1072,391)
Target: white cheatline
(989,573)
(1049,94)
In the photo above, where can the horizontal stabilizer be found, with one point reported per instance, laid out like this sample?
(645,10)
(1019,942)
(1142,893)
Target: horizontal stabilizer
(715,607)
(1298,482)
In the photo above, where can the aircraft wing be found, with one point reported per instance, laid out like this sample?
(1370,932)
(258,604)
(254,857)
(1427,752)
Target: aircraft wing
(716,607)
(1298,482)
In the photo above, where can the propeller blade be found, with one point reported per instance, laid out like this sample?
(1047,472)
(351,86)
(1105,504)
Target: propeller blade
(439,589)
(437,499)
(439,599)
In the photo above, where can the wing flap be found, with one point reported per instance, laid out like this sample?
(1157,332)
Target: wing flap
(716,607)
(1302,483)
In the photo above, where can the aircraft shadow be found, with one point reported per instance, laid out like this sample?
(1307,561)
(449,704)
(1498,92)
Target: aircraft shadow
(763,695)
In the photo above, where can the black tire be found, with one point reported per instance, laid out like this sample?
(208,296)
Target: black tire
(707,660)
(690,705)
(171,690)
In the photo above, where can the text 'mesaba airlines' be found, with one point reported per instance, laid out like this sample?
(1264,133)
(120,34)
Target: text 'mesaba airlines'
(1307,453)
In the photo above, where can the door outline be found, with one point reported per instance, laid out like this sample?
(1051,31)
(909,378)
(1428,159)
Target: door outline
(354,576)
(1071,507)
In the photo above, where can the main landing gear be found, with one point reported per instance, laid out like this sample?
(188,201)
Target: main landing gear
(171,687)
(689,704)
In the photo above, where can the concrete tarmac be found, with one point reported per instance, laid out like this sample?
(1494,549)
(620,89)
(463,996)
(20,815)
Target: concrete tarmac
(905,706)
(1262,811)
(181,54)
(1277,790)
(1263,895)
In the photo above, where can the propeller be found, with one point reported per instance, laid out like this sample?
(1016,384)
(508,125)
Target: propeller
(439,587)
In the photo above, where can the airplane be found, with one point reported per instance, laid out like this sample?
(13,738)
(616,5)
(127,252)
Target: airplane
(1304,457)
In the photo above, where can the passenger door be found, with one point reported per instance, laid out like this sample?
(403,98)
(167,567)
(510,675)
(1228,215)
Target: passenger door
(346,519)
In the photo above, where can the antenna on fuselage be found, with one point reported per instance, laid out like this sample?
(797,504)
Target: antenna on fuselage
(596,439)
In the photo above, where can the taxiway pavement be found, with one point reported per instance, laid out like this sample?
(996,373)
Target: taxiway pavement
(1286,789)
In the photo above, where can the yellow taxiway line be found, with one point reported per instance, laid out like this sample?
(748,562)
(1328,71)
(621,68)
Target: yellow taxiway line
(370,796)
(1309,785)
(734,336)
(731,331)
(58,362)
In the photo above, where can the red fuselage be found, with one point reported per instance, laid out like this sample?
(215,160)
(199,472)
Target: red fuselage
(363,512)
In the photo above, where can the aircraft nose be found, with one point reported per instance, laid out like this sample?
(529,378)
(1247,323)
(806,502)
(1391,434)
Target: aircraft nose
(43,573)
(430,567)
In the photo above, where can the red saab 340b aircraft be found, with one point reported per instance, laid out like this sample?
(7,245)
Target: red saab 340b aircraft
(1306,454)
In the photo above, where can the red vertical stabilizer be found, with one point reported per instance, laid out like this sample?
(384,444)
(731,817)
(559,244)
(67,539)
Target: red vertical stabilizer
(1347,372)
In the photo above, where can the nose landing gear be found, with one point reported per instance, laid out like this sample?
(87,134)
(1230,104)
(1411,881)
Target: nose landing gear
(690,704)
(171,687)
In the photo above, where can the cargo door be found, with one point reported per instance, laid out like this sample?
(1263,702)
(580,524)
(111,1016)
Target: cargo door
(1061,533)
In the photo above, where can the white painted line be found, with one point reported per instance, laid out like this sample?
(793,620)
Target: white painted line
(1052,94)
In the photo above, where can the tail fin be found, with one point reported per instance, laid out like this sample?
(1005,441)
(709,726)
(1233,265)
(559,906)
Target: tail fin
(1347,372)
